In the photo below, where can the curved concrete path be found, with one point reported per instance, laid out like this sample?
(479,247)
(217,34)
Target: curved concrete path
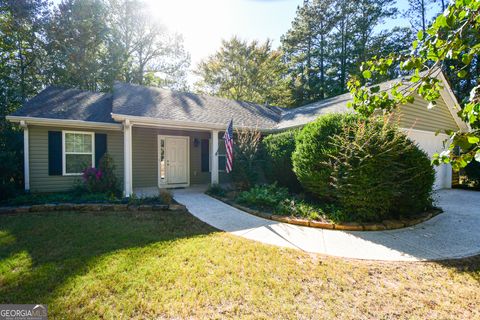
(452,234)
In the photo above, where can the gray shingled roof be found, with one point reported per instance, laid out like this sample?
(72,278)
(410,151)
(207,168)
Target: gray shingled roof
(302,115)
(153,102)
(72,104)
(166,104)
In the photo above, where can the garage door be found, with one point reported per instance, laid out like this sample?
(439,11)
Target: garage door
(433,144)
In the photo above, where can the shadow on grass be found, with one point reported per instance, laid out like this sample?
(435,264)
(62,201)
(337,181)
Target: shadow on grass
(469,266)
(40,252)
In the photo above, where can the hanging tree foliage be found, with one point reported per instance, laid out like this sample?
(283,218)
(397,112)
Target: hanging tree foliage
(448,39)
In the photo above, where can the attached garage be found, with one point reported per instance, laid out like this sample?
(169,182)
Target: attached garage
(432,144)
(420,122)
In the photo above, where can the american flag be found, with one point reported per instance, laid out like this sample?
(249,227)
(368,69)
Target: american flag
(228,137)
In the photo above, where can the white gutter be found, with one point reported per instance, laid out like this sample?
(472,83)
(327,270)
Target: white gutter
(180,124)
(65,123)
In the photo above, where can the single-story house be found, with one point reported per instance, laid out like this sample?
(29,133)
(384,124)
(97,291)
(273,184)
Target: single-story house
(164,138)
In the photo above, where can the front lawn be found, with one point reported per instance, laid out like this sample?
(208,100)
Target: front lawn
(165,265)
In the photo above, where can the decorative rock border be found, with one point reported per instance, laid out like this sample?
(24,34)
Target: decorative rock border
(346,226)
(91,207)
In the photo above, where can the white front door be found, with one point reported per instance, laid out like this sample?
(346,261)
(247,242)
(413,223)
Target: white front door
(176,160)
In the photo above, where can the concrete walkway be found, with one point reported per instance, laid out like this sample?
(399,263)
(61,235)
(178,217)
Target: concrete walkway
(452,234)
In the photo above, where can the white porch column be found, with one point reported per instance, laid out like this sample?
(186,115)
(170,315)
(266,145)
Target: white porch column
(127,158)
(215,157)
(26,155)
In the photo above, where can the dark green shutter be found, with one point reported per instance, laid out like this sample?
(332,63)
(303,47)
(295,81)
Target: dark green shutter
(205,151)
(100,147)
(55,153)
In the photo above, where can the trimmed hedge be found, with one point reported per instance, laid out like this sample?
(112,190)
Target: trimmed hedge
(367,167)
(313,149)
(278,159)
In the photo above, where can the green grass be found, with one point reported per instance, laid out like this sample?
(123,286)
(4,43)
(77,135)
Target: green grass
(170,265)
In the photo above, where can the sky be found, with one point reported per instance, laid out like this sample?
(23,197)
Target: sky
(204,23)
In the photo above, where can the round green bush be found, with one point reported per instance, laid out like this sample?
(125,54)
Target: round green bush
(367,167)
(278,149)
(313,149)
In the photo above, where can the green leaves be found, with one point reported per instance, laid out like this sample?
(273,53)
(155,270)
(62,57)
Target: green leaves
(462,73)
(473,139)
(367,74)
(250,71)
(420,35)
(452,37)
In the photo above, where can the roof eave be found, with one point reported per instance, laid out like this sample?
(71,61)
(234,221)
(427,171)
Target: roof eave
(65,122)
(180,124)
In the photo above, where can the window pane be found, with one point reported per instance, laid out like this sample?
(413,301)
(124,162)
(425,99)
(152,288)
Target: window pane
(78,142)
(69,142)
(87,143)
(162,159)
(222,162)
(76,163)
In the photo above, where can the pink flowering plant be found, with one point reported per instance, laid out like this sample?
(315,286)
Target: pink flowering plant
(101,179)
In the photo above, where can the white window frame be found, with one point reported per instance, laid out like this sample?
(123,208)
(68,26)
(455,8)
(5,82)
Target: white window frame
(218,155)
(64,153)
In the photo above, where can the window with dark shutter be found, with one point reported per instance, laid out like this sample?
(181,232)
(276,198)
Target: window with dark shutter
(55,153)
(205,150)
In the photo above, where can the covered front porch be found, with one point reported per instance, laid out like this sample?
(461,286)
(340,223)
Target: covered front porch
(158,157)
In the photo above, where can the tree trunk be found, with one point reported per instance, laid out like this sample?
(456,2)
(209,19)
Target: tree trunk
(322,71)
(424,27)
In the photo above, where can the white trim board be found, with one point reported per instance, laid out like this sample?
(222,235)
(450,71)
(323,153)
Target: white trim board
(80,124)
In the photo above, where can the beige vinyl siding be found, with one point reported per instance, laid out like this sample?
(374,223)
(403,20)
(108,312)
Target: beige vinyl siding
(416,115)
(40,181)
(145,156)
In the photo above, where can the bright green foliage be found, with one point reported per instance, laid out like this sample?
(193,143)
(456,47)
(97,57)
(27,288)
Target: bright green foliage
(245,71)
(453,39)
(278,168)
(313,150)
(263,197)
(368,167)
